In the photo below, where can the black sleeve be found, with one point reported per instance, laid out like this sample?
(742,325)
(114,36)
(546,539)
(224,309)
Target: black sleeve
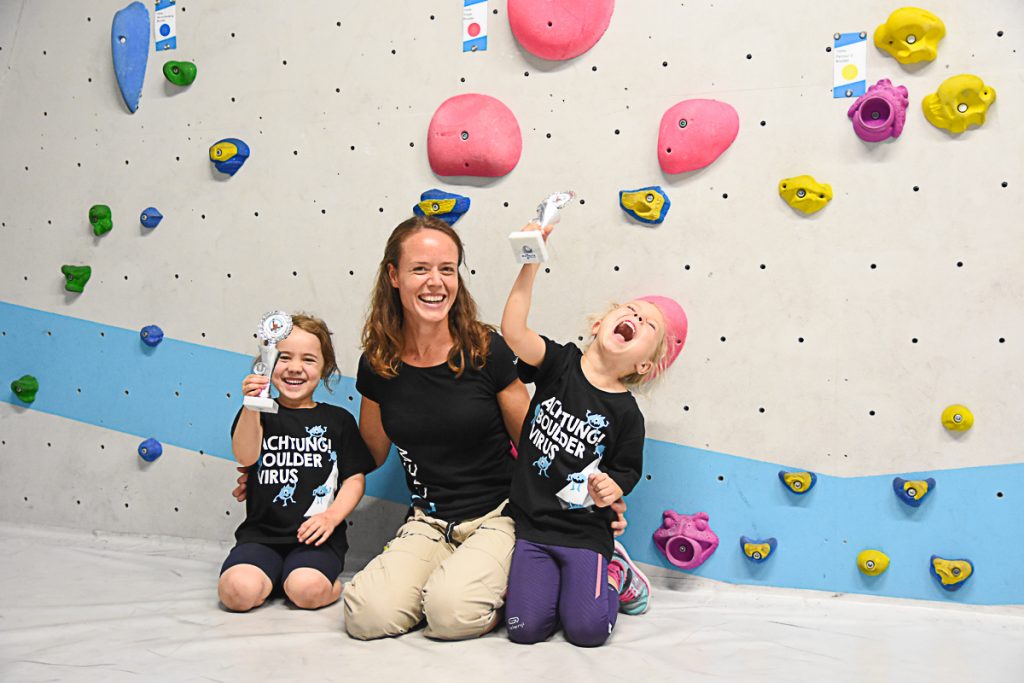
(501,363)
(368,381)
(555,358)
(355,457)
(627,460)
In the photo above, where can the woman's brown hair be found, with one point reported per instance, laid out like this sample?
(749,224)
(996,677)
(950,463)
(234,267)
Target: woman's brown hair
(382,332)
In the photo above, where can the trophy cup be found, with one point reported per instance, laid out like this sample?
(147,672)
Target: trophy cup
(273,328)
(528,245)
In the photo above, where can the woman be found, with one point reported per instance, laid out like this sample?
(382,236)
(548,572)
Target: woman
(441,386)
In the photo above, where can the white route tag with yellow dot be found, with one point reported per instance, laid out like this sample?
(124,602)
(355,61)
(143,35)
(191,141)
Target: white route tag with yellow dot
(849,71)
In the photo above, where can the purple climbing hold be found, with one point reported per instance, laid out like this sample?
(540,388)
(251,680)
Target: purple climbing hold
(881,112)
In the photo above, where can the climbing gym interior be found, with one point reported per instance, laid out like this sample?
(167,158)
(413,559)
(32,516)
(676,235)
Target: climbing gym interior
(833,475)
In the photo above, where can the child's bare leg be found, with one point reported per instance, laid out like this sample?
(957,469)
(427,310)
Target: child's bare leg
(243,587)
(309,588)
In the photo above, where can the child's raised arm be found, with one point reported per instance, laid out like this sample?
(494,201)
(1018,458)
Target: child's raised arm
(523,341)
(248,434)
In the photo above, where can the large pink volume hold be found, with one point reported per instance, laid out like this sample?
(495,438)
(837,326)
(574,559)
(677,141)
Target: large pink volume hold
(694,133)
(473,135)
(559,29)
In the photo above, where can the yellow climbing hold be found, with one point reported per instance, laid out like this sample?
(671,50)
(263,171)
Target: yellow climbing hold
(805,194)
(910,35)
(960,102)
(957,418)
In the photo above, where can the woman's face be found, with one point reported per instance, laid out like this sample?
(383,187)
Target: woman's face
(427,276)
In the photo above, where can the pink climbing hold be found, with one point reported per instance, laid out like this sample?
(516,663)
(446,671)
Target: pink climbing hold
(473,135)
(559,30)
(686,540)
(694,133)
(881,112)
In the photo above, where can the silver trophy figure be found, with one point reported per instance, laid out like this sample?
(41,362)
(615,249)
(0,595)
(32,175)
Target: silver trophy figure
(528,245)
(274,327)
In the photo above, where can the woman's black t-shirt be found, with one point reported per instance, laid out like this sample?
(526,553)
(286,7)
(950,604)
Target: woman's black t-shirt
(305,455)
(448,432)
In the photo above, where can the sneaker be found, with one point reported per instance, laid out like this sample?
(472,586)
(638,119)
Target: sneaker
(634,588)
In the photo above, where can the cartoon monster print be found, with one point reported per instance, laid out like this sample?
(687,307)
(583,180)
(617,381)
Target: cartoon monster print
(577,479)
(318,430)
(597,421)
(285,494)
(542,463)
(599,450)
(536,416)
(321,491)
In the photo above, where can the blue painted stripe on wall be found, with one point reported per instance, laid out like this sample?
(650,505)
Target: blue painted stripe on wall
(819,533)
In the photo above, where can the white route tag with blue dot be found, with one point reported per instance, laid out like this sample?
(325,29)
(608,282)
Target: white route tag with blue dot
(165,33)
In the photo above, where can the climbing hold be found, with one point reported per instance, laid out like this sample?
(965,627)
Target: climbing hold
(559,30)
(757,550)
(25,388)
(686,540)
(180,73)
(129,45)
(151,335)
(910,35)
(912,492)
(951,574)
(151,218)
(872,562)
(880,112)
(959,103)
(798,482)
(228,155)
(693,133)
(473,135)
(101,220)
(957,418)
(805,194)
(76,277)
(447,206)
(150,450)
(647,205)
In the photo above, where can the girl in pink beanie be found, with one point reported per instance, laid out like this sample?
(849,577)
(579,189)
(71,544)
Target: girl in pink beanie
(581,450)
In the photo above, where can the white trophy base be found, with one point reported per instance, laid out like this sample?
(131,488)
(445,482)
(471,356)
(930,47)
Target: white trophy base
(528,246)
(260,404)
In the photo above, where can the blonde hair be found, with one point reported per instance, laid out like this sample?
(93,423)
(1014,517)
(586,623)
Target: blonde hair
(635,381)
(382,340)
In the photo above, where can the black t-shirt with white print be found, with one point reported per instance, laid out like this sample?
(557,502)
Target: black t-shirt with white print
(448,431)
(572,430)
(305,456)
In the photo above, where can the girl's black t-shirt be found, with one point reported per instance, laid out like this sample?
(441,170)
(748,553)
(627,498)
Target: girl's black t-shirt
(448,432)
(305,456)
(573,429)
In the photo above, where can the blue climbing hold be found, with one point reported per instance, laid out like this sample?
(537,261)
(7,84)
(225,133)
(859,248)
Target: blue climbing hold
(129,45)
(150,450)
(447,206)
(151,218)
(913,491)
(151,335)
(228,155)
(759,549)
(647,205)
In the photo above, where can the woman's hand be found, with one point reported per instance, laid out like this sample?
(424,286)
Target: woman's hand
(317,529)
(243,479)
(619,525)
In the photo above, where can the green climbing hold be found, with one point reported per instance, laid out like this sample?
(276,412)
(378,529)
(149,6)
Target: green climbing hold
(100,219)
(25,388)
(180,73)
(76,277)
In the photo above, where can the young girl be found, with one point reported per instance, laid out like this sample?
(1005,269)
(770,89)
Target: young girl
(307,466)
(581,449)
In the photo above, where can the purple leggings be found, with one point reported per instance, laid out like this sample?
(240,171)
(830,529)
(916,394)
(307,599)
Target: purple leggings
(552,583)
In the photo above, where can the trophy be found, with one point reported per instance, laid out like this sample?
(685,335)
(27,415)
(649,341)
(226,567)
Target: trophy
(528,245)
(274,327)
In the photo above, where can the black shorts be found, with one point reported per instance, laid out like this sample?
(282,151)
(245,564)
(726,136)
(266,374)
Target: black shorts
(279,560)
